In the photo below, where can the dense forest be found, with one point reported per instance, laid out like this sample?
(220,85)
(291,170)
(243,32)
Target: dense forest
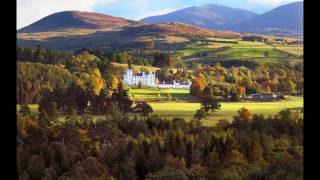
(145,147)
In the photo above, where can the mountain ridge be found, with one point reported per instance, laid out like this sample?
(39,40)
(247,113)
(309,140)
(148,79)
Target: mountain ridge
(76,19)
(284,20)
(212,16)
(126,34)
(286,17)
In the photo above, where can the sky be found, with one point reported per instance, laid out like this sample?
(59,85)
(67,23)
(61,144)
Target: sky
(29,11)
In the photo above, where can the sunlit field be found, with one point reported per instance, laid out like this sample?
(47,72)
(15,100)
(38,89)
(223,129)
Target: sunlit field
(228,109)
(158,93)
(244,50)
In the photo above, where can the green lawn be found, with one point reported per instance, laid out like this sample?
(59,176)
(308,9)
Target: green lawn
(137,94)
(244,50)
(248,49)
(228,109)
(239,53)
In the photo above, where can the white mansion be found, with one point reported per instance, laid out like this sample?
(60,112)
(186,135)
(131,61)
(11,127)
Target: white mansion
(150,81)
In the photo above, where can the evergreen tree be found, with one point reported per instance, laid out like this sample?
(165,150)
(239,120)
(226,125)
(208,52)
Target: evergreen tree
(39,54)
(121,99)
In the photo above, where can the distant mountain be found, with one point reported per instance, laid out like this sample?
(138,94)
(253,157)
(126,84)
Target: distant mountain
(284,19)
(74,20)
(72,30)
(211,16)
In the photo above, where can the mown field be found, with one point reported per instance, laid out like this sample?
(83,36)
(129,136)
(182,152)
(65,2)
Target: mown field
(244,50)
(292,49)
(139,94)
(228,109)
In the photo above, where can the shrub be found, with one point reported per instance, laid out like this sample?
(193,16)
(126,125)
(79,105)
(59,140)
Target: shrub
(235,97)
(281,96)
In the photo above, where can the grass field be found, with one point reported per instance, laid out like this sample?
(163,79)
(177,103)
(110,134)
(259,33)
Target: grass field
(228,109)
(158,93)
(244,50)
(248,49)
(135,67)
(292,49)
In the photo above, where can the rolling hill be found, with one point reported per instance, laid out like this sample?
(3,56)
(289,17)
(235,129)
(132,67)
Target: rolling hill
(74,30)
(210,16)
(76,20)
(284,20)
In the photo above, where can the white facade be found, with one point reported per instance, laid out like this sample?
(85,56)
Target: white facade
(149,80)
(262,96)
(145,79)
(175,85)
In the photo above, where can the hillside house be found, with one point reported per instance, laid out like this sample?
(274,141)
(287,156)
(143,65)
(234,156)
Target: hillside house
(149,80)
(135,79)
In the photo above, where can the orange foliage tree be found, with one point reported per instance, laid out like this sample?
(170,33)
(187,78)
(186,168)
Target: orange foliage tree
(244,114)
(241,90)
(197,86)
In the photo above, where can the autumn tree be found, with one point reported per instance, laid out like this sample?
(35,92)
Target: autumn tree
(35,167)
(241,90)
(114,82)
(256,153)
(162,59)
(21,124)
(287,86)
(169,173)
(244,114)
(197,86)
(234,158)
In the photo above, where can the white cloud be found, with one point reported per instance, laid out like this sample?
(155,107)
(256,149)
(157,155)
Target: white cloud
(29,11)
(271,2)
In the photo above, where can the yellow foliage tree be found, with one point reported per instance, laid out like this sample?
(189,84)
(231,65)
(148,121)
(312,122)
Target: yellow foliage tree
(198,86)
(114,82)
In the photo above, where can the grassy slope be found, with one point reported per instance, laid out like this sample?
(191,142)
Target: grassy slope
(292,49)
(136,67)
(244,50)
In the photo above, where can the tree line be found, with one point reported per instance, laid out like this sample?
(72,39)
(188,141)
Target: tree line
(222,82)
